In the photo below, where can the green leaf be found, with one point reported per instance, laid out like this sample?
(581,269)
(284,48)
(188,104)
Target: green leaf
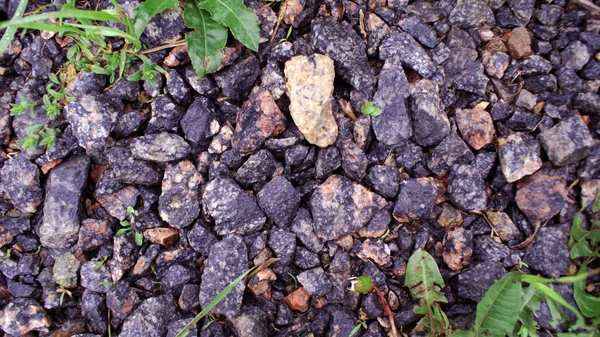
(130,210)
(104,15)
(554,296)
(139,238)
(214,302)
(588,304)
(241,20)
(145,11)
(370,110)
(123,231)
(206,42)
(425,283)
(596,204)
(10,32)
(498,311)
(582,248)
(107,283)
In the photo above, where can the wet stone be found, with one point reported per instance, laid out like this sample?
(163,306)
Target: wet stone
(475,281)
(458,248)
(60,225)
(129,170)
(179,203)
(315,281)
(160,147)
(92,120)
(226,261)
(165,237)
(165,115)
(406,49)
(575,55)
(384,180)
(257,168)
(549,251)
(452,150)
(259,119)
(354,160)
(22,315)
(283,244)
(65,270)
(519,156)
(177,88)
(196,124)
(542,195)
(120,299)
(279,200)
(303,227)
(340,206)
(20,183)
(173,279)
(233,209)
(420,31)
(466,188)
(488,249)
(91,277)
(310,88)
(503,226)
(238,79)
(393,125)
(568,142)
(471,14)
(519,43)
(416,200)
(428,113)
(151,318)
(93,309)
(86,83)
(343,45)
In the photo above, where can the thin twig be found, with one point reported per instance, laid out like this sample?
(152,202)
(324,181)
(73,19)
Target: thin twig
(388,311)
(282,9)
(588,5)
(164,46)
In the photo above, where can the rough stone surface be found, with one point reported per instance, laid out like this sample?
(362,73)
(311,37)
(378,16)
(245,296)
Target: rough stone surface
(315,281)
(233,209)
(543,194)
(92,120)
(160,147)
(428,113)
(310,88)
(22,315)
(65,270)
(416,200)
(475,281)
(476,127)
(549,252)
(340,207)
(60,225)
(519,43)
(150,318)
(226,261)
(408,51)
(568,142)
(20,183)
(279,200)
(466,188)
(519,156)
(179,203)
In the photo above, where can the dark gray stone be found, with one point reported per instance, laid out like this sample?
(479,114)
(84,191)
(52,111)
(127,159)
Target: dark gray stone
(279,200)
(92,119)
(549,251)
(428,113)
(233,209)
(416,200)
(575,56)
(196,124)
(402,46)
(238,79)
(227,260)
(466,188)
(86,83)
(201,238)
(315,281)
(471,14)
(91,277)
(420,31)
(568,142)
(354,160)
(177,88)
(179,202)
(165,115)
(93,309)
(20,183)
(384,180)
(328,160)
(452,150)
(129,170)
(60,225)
(475,281)
(257,168)
(304,229)
(173,279)
(283,244)
(151,318)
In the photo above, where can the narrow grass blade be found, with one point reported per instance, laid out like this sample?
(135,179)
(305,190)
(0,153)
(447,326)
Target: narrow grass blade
(104,15)
(10,32)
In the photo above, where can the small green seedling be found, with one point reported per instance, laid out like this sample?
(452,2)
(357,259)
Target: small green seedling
(107,283)
(23,106)
(126,227)
(100,263)
(287,35)
(63,291)
(364,284)
(370,110)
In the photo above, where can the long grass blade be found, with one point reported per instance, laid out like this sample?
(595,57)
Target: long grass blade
(103,15)
(10,32)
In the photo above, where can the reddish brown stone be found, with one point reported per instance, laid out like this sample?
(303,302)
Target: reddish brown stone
(177,57)
(260,285)
(376,251)
(293,8)
(116,203)
(450,216)
(164,237)
(476,126)
(93,234)
(458,248)
(497,44)
(259,119)
(5,236)
(519,43)
(298,300)
(50,165)
(543,194)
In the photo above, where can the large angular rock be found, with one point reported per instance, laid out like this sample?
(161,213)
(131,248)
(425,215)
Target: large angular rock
(416,200)
(92,120)
(160,147)
(165,115)
(179,203)
(280,201)
(475,281)
(310,89)
(393,125)
(259,119)
(23,315)
(519,156)
(466,188)
(196,124)
(543,194)
(476,126)
(233,209)
(340,206)
(60,225)
(226,261)
(406,49)
(151,318)
(20,183)
(127,169)
(343,45)
(428,114)
(568,142)
(549,251)
(471,14)
(238,79)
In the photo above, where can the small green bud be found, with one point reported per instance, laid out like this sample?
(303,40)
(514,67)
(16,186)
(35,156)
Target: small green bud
(361,284)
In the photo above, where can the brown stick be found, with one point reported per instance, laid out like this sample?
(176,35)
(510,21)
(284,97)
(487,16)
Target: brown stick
(388,311)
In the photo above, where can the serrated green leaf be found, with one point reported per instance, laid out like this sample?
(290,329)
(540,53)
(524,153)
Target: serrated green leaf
(145,11)
(206,42)
(425,282)
(588,304)
(498,311)
(241,20)
(10,32)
